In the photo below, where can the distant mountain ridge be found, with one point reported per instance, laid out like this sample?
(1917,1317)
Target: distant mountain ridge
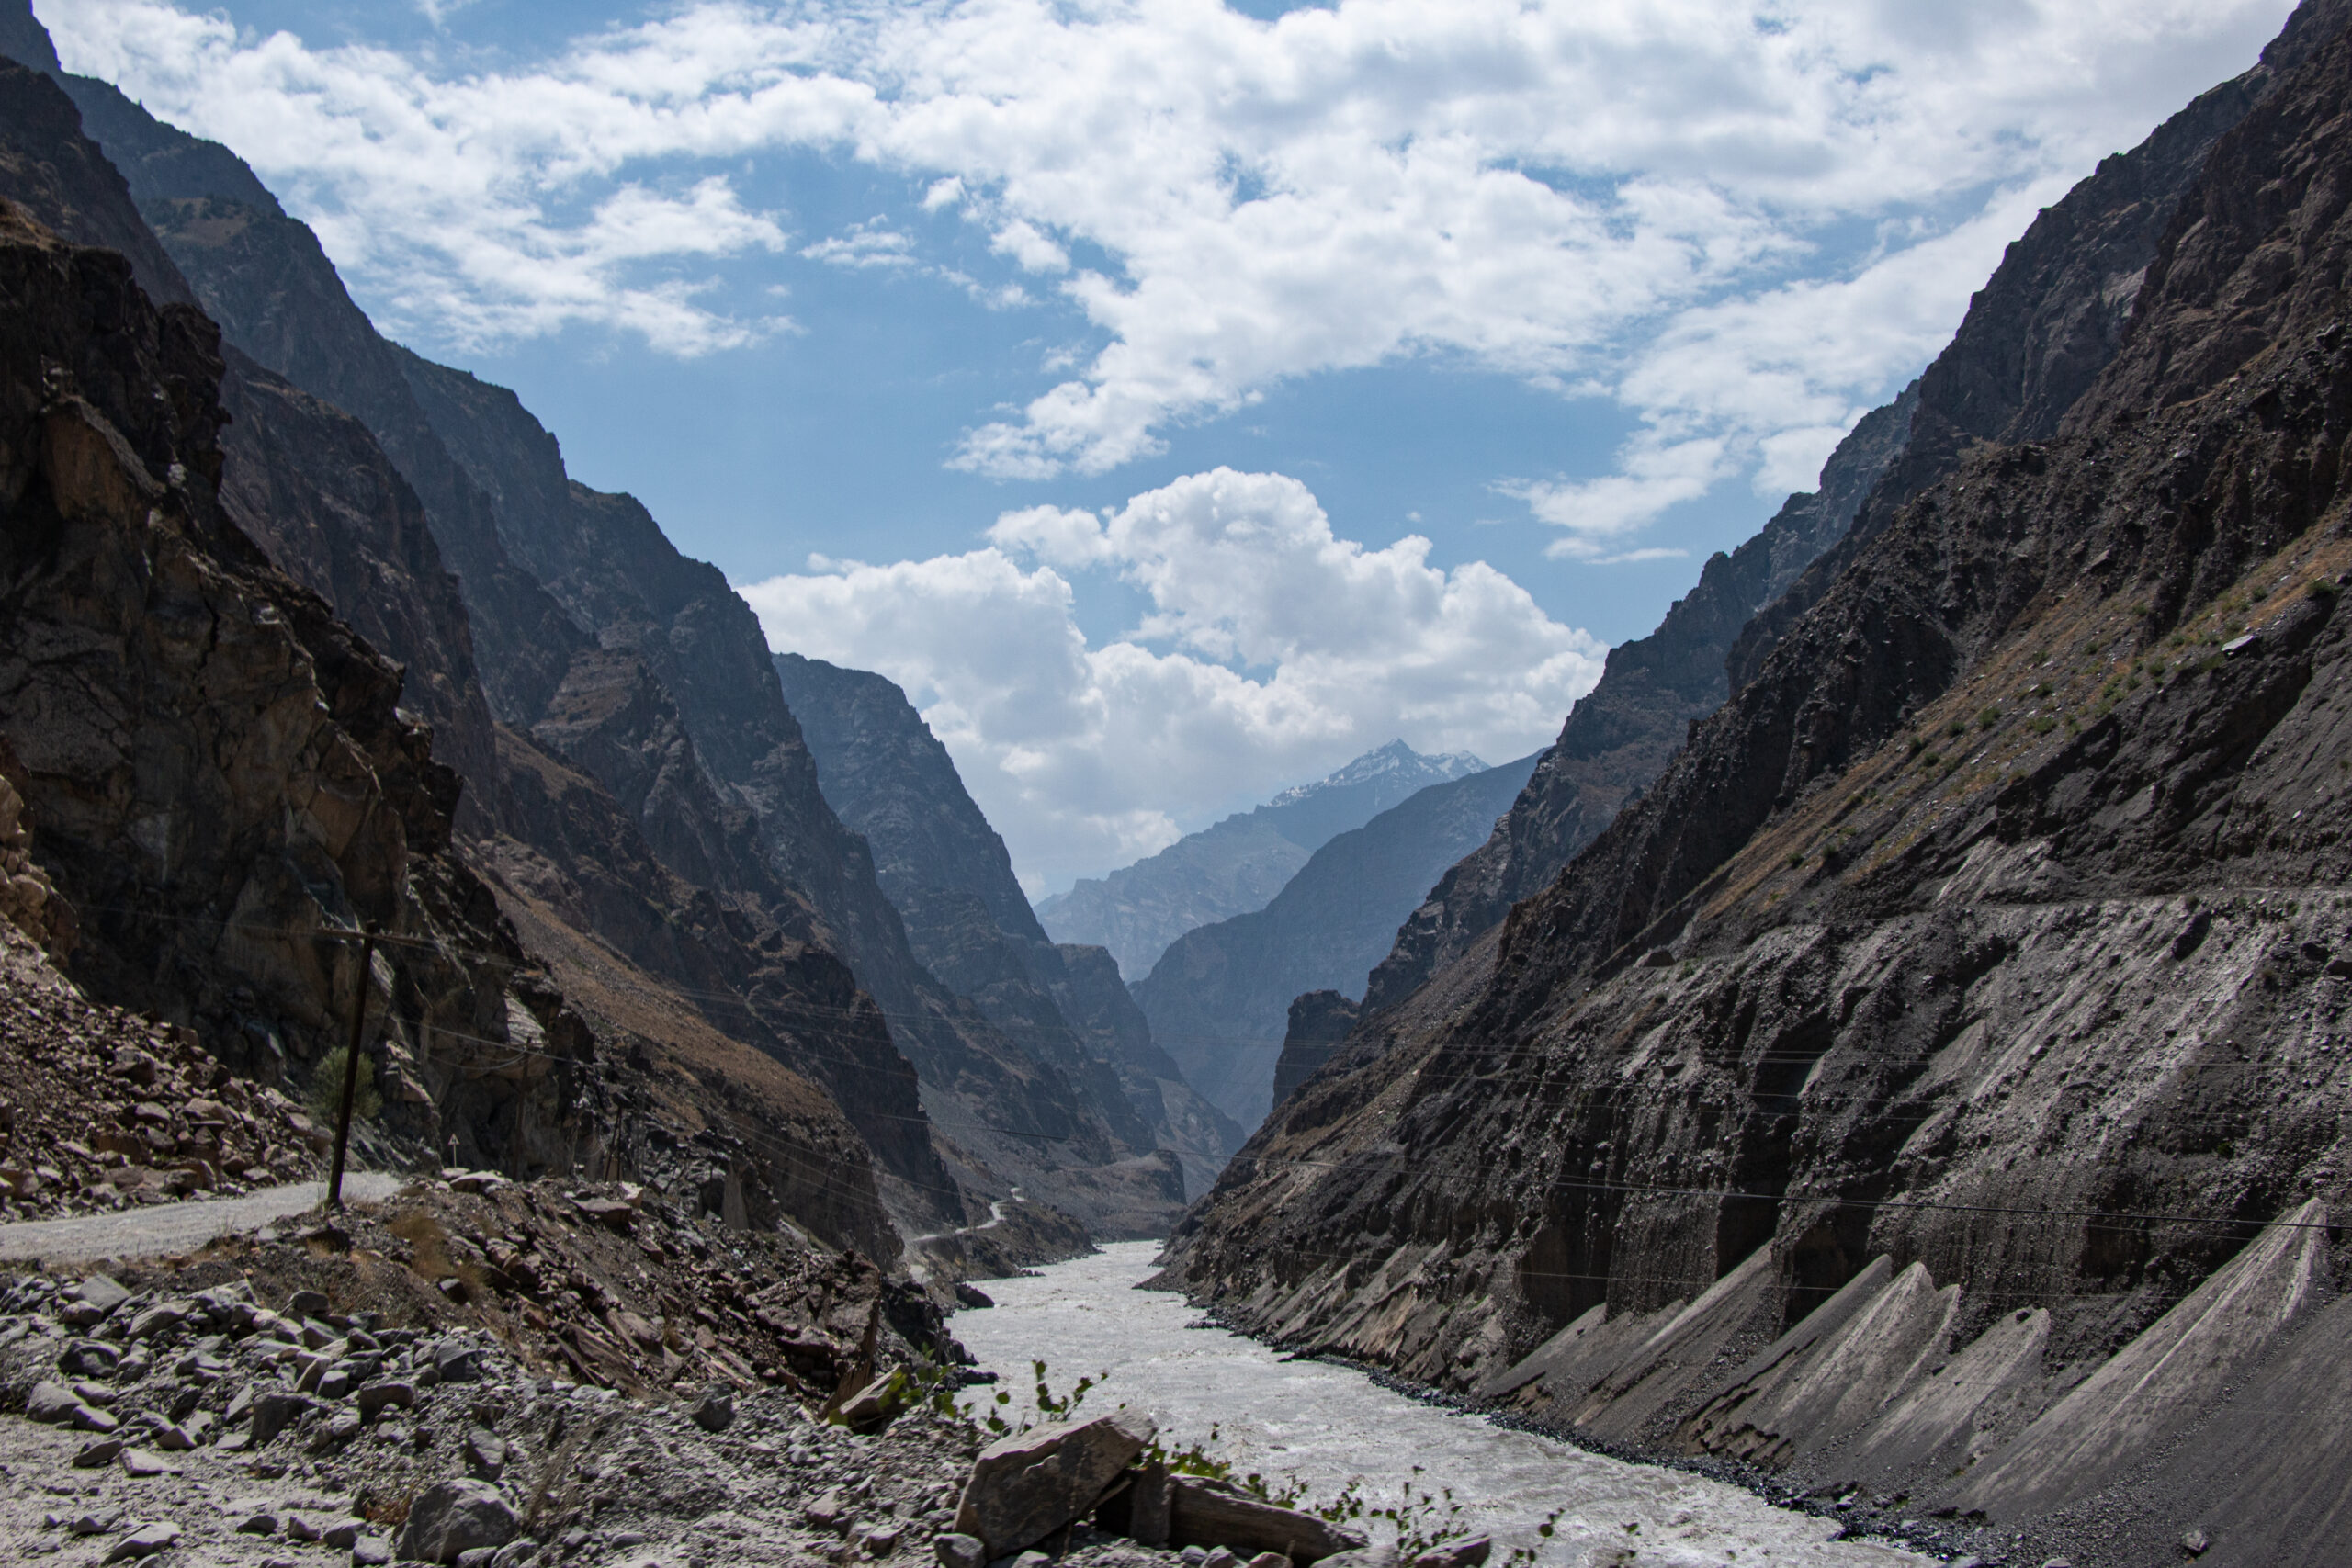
(1218,998)
(1239,863)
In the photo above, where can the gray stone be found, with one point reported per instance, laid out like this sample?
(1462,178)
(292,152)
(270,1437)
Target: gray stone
(145,1541)
(1025,1487)
(89,1419)
(97,1523)
(1031,1560)
(261,1521)
(102,1452)
(51,1403)
(485,1453)
(100,1292)
(955,1550)
(1468,1553)
(305,1304)
(273,1412)
(145,1463)
(301,1526)
(1221,1558)
(159,1318)
(831,1512)
(715,1411)
(1270,1559)
(882,1541)
(516,1552)
(376,1397)
(455,1515)
(479,1557)
(2195,1541)
(456,1362)
(1210,1514)
(341,1534)
(368,1551)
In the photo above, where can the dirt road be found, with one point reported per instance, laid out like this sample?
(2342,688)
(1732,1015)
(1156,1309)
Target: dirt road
(176,1227)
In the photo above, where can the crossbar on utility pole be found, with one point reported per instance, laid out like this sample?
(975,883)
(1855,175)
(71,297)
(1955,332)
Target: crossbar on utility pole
(351,1068)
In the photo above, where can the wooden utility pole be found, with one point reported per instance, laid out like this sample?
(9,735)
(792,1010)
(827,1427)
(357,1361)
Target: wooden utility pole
(351,1067)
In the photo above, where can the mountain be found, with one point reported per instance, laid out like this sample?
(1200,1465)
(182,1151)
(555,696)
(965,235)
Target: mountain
(641,798)
(950,877)
(1217,1000)
(1239,863)
(304,489)
(1929,1085)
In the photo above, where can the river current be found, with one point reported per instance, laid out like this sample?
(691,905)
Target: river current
(1327,1426)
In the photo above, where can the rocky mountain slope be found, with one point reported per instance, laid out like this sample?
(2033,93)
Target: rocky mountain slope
(1220,996)
(1932,1083)
(1238,865)
(311,486)
(967,921)
(606,660)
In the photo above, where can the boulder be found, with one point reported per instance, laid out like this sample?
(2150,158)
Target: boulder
(955,1550)
(453,1516)
(1212,1514)
(272,1411)
(101,1292)
(1025,1487)
(1468,1553)
(51,1403)
(715,1411)
(145,1541)
(1362,1557)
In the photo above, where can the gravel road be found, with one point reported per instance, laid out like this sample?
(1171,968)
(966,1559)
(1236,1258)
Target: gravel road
(178,1227)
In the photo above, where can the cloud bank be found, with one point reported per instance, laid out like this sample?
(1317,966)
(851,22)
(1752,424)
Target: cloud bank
(1273,651)
(1738,219)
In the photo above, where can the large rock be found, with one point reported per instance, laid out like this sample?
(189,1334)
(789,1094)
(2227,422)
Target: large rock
(453,1516)
(1028,1485)
(1205,1513)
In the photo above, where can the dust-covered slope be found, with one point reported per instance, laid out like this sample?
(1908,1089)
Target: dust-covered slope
(1965,993)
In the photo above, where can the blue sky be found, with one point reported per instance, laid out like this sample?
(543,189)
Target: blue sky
(1176,400)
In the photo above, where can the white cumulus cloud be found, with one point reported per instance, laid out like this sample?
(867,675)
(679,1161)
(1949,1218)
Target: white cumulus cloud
(1275,650)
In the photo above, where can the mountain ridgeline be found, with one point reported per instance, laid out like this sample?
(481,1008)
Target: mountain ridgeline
(1931,1083)
(1218,998)
(1236,865)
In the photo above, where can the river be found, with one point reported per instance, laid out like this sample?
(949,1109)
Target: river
(1327,1426)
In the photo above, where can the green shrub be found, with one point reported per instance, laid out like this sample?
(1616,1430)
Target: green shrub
(325,1097)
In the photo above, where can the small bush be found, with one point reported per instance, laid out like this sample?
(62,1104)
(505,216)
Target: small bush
(325,1095)
(1987,718)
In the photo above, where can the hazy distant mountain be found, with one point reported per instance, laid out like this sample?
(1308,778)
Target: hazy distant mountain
(1218,998)
(1240,863)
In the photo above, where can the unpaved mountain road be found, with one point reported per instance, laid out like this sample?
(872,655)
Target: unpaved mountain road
(178,1227)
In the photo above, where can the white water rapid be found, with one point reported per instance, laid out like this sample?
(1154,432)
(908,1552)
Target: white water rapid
(1327,1426)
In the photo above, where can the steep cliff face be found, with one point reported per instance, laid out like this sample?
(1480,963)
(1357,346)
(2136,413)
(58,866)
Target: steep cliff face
(944,867)
(1625,730)
(221,772)
(1236,865)
(967,921)
(1873,1096)
(1219,997)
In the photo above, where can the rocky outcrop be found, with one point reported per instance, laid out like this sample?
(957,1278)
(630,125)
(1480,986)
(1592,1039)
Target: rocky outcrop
(1220,994)
(1102,1010)
(1942,1048)
(1239,863)
(1317,1022)
(222,775)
